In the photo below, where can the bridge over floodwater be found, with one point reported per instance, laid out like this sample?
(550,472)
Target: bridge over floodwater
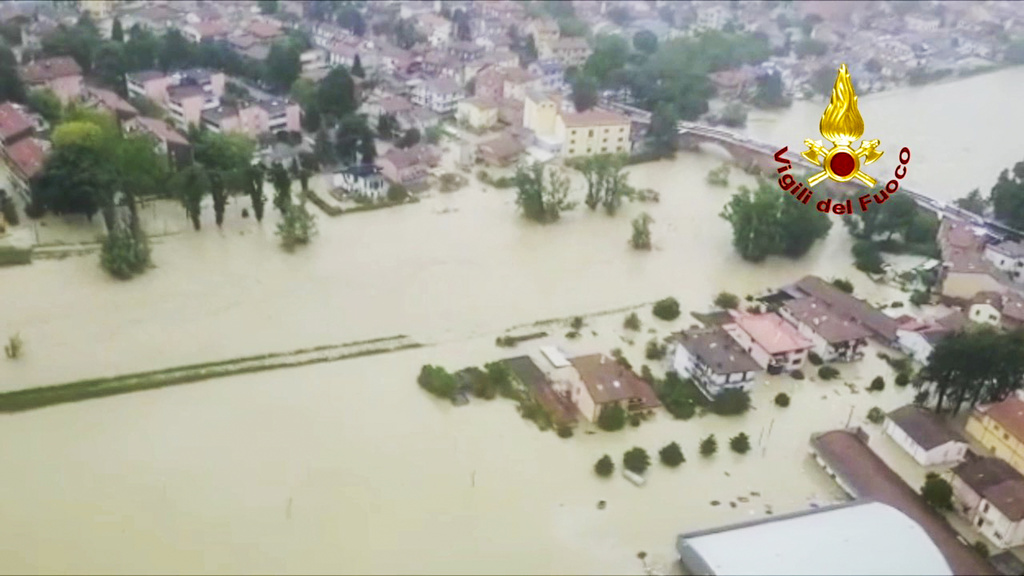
(753,153)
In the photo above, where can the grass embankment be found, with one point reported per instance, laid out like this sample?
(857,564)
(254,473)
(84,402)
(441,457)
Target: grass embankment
(41,397)
(10,256)
(332,210)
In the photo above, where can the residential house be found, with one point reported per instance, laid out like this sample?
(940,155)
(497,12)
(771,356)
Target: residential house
(397,61)
(530,377)
(254,118)
(376,106)
(441,95)
(990,494)
(924,435)
(156,18)
(917,339)
(496,58)
(540,113)
(466,51)
(168,140)
(314,59)
(544,31)
(502,150)
(517,82)
(510,112)
(837,337)
(1007,256)
(606,383)
(550,72)
(187,103)
(713,359)
(343,53)
(403,167)
(435,27)
(363,181)
(110,101)
(442,65)
(265,30)
(148,84)
(595,131)
(570,51)
(773,343)
(478,113)
(986,308)
(61,74)
(22,152)
(965,270)
(206,31)
(845,305)
(1000,428)
(489,83)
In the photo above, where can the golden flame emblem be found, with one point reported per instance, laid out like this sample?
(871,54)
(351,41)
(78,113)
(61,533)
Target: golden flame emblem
(841,124)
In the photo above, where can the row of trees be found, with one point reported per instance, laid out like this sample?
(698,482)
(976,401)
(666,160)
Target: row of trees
(607,184)
(765,221)
(969,367)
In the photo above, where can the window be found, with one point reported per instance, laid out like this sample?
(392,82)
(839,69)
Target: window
(620,138)
(591,133)
(985,507)
(604,148)
(981,522)
(572,150)
(622,129)
(604,140)
(1006,436)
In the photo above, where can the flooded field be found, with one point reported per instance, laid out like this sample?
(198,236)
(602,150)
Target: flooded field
(348,467)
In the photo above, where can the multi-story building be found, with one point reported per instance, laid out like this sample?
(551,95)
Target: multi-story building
(148,84)
(569,51)
(167,140)
(837,337)
(550,72)
(595,131)
(990,494)
(772,342)
(541,112)
(61,74)
(1000,428)
(187,103)
(441,95)
(713,359)
(254,118)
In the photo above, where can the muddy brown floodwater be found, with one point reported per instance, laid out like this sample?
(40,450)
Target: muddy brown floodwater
(348,467)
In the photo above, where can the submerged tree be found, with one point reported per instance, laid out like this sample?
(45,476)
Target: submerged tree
(282,184)
(766,221)
(192,185)
(641,239)
(254,177)
(542,199)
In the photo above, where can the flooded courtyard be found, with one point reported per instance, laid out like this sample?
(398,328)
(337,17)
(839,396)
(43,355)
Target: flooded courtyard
(349,467)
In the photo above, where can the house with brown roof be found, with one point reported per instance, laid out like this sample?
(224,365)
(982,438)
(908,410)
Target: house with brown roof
(837,337)
(965,270)
(441,95)
(1004,309)
(166,139)
(478,112)
(605,383)
(111,102)
(918,338)
(772,342)
(502,150)
(61,74)
(924,435)
(22,152)
(713,359)
(570,51)
(1000,428)
(846,457)
(1007,256)
(845,305)
(403,167)
(990,494)
(14,124)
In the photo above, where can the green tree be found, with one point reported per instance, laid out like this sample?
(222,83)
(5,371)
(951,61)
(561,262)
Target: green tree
(110,66)
(645,41)
(397,193)
(727,301)
(437,381)
(584,93)
(542,199)
(740,443)
(769,91)
(937,492)
(254,179)
(666,309)
(282,65)
(782,399)
(822,80)
(219,195)
(827,373)
(843,284)
(974,202)
(810,47)
(610,53)
(174,52)
(663,134)
(636,460)
(766,221)
(612,418)
(282,184)
(352,20)
(117,31)
(731,402)
(409,139)
(877,385)
(641,239)
(867,257)
(44,102)
(267,6)
(123,255)
(10,33)
(142,49)
(357,67)
(297,226)
(11,86)
(671,455)
(708,446)
(1008,196)
(368,149)
(387,126)
(604,467)
(191,185)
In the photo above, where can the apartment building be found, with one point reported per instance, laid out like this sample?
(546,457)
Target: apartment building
(595,131)
(254,118)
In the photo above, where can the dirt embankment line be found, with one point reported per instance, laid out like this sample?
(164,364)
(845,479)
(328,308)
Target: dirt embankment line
(32,398)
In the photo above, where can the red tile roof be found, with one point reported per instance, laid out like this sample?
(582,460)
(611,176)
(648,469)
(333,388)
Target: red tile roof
(608,381)
(1009,414)
(772,333)
(28,156)
(160,129)
(594,117)
(50,69)
(13,124)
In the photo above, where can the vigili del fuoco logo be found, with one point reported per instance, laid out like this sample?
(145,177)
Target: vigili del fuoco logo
(842,125)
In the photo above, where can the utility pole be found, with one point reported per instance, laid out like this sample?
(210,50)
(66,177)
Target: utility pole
(850,417)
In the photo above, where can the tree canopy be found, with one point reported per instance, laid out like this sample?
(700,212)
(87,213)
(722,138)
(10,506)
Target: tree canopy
(969,367)
(1008,196)
(765,221)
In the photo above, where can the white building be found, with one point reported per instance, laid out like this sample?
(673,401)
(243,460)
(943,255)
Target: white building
(1008,257)
(836,337)
(713,359)
(441,95)
(771,341)
(989,492)
(363,181)
(924,436)
(855,538)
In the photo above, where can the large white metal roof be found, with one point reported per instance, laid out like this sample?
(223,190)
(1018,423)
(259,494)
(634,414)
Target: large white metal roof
(860,538)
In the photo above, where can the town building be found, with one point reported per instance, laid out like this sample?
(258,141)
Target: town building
(540,112)
(1004,309)
(149,84)
(109,100)
(594,131)
(532,378)
(570,51)
(925,436)
(517,82)
(845,456)
(849,538)
(1000,428)
(502,150)
(772,342)
(965,271)
(917,339)
(713,359)
(605,383)
(478,113)
(23,154)
(403,167)
(440,95)
(836,337)
(543,30)
(185,94)
(550,72)
(61,74)
(363,181)
(843,305)
(990,494)
(1007,256)
(254,118)
(167,140)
